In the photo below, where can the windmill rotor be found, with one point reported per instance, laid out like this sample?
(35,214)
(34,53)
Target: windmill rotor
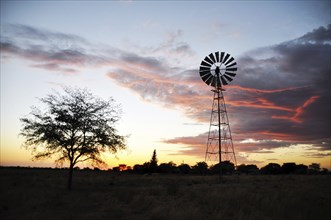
(218,69)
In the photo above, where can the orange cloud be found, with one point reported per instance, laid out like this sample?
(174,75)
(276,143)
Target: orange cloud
(298,111)
(254,90)
(259,103)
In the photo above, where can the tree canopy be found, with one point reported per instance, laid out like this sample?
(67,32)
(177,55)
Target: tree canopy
(75,126)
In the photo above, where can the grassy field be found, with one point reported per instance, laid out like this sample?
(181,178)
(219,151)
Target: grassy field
(42,194)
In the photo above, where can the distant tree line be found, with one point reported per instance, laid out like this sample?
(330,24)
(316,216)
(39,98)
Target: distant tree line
(226,167)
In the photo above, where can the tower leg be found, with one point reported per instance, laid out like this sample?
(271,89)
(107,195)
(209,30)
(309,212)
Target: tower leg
(219,145)
(219,133)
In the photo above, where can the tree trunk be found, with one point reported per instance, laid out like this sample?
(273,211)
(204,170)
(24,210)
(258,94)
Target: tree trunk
(71,169)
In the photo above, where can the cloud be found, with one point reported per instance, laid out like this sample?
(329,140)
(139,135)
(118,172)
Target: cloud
(172,44)
(320,35)
(280,96)
(172,48)
(318,155)
(65,53)
(31,34)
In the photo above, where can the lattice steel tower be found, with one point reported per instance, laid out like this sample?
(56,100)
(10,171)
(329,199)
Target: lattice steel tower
(217,70)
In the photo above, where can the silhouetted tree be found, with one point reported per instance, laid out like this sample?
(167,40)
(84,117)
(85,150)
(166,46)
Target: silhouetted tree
(200,168)
(252,169)
(169,167)
(184,168)
(288,168)
(144,168)
(75,127)
(153,163)
(271,168)
(116,169)
(314,168)
(242,168)
(324,171)
(226,166)
(138,168)
(301,169)
(248,169)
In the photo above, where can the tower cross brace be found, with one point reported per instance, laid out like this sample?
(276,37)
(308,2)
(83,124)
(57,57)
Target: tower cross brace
(219,144)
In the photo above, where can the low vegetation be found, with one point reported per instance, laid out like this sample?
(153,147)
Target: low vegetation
(28,193)
(227,168)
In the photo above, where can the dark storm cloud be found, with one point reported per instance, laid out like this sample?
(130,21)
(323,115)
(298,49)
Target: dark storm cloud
(321,35)
(281,97)
(304,65)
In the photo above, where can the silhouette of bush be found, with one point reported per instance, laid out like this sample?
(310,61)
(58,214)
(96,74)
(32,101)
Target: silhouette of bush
(288,168)
(141,169)
(248,169)
(226,167)
(200,168)
(169,167)
(184,168)
(301,169)
(314,168)
(271,168)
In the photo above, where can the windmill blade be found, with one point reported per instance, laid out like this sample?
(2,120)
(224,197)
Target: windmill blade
(222,56)
(212,57)
(203,63)
(208,60)
(203,68)
(231,69)
(225,58)
(228,78)
(230,74)
(205,76)
(224,82)
(217,56)
(209,80)
(229,61)
(232,64)
(202,73)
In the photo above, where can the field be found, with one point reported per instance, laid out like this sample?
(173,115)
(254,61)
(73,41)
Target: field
(42,194)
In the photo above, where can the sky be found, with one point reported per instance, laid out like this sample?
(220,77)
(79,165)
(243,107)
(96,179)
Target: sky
(146,55)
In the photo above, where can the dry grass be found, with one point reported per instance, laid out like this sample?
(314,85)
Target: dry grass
(42,194)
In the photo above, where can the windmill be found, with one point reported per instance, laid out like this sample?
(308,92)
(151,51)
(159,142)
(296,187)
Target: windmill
(217,70)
